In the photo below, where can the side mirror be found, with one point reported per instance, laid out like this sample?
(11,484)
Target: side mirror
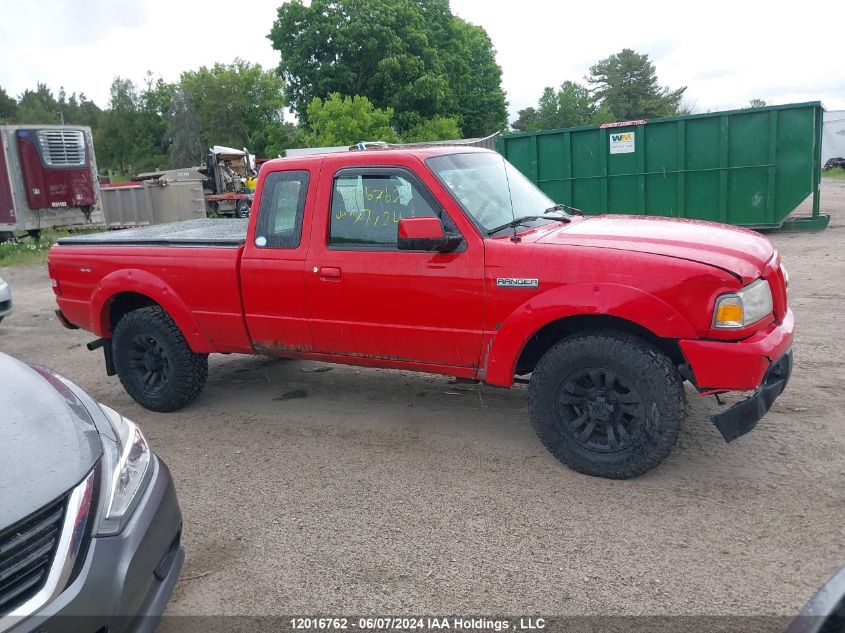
(425,234)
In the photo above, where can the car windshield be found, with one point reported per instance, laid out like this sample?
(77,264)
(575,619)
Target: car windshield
(490,189)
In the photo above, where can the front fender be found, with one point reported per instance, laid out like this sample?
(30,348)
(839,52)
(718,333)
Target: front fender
(149,285)
(620,301)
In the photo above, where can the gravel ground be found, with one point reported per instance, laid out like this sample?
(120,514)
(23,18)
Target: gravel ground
(371,491)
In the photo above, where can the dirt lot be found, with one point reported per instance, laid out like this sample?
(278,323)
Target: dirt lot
(368,491)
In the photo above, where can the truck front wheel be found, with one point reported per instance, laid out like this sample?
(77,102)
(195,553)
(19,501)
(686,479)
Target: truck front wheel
(607,404)
(154,363)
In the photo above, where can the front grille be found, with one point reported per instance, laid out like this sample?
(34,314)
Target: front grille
(62,148)
(26,553)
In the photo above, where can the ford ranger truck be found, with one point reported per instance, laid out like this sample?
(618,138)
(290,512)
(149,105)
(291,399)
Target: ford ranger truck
(447,260)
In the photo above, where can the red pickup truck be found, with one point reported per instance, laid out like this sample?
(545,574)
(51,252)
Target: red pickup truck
(449,261)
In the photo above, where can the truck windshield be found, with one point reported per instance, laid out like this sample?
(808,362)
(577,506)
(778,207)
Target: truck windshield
(490,189)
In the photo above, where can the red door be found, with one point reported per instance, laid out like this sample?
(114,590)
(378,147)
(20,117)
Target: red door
(273,264)
(367,298)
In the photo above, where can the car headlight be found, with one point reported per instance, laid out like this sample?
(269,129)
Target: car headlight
(127,462)
(744,307)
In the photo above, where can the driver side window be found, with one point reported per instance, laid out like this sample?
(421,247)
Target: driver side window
(366,208)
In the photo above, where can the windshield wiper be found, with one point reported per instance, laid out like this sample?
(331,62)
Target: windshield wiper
(564,207)
(527,218)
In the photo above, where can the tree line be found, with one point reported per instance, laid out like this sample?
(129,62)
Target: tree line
(350,70)
(621,87)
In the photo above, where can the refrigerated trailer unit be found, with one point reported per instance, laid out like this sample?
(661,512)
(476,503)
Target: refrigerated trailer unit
(48,178)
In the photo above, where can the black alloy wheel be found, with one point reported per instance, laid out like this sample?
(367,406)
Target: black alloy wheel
(154,362)
(600,410)
(607,403)
(150,364)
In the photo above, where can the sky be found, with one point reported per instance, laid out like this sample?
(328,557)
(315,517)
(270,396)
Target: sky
(726,53)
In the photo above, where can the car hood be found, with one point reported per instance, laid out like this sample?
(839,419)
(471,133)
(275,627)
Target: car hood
(48,441)
(738,251)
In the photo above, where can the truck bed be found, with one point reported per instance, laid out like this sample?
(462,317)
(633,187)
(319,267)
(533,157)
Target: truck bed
(220,232)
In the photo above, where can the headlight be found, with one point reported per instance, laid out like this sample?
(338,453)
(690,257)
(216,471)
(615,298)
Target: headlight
(740,309)
(127,462)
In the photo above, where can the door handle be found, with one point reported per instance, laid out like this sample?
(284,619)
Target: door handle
(328,272)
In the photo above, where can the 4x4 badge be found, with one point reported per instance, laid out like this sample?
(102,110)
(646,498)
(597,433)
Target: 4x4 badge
(516,282)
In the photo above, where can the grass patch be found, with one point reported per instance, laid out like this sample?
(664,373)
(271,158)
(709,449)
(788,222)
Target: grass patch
(26,250)
(837,173)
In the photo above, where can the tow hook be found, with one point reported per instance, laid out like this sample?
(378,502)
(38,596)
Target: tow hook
(105,343)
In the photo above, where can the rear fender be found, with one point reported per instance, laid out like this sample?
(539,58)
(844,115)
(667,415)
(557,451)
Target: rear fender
(149,285)
(503,349)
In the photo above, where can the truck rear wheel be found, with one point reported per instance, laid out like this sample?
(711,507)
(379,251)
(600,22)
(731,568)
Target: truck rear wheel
(607,404)
(154,363)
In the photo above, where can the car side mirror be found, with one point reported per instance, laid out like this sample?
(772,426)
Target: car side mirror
(425,234)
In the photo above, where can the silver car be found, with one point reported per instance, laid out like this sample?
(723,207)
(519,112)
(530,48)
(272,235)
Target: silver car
(90,524)
(5,299)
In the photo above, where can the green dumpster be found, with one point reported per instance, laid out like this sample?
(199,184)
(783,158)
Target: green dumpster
(748,167)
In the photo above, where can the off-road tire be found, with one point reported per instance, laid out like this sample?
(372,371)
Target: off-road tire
(628,359)
(186,373)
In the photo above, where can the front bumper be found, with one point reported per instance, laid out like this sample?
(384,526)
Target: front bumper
(762,363)
(127,579)
(738,365)
(743,416)
(5,299)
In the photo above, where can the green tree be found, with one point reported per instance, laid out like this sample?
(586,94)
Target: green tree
(413,56)
(276,137)
(575,106)
(38,106)
(131,134)
(78,110)
(153,107)
(231,102)
(526,120)
(41,106)
(480,106)
(569,106)
(347,120)
(603,115)
(687,107)
(8,107)
(186,146)
(756,103)
(117,128)
(439,128)
(626,83)
(547,109)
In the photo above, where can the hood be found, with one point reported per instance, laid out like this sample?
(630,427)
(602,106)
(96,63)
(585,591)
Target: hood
(738,251)
(48,441)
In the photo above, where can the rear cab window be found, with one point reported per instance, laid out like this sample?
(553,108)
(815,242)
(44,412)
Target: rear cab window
(279,223)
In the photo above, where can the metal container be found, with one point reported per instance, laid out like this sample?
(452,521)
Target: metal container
(125,206)
(153,202)
(748,167)
(177,200)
